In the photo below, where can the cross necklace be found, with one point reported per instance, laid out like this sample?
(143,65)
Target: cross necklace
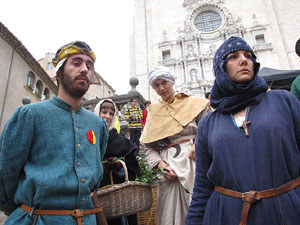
(245,123)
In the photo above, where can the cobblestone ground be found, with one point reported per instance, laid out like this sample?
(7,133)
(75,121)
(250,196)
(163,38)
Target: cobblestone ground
(2,218)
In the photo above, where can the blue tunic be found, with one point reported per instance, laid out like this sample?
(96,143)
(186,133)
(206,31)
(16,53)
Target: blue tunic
(47,161)
(267,159)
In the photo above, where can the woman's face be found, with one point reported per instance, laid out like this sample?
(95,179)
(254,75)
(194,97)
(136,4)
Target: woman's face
(107,114)
(240,67)
(163,88)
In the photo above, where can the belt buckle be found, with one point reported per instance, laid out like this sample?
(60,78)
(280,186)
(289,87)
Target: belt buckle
(78,213)
(250,196)
(32,212)
(244,195)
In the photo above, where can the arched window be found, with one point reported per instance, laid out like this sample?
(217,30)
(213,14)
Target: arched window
(38,88)
(208,21)
(46,94)
(30,80)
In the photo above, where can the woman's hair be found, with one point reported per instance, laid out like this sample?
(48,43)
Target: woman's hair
(147,102)
(107,105)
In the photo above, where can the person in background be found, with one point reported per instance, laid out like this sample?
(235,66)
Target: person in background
(133,115)
(247,150)
(118,146)
(295,87)
(145,112)
(168,138)
(51,152)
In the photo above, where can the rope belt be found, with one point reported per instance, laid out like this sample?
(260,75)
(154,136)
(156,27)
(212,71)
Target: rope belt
(253,196)
(76,213)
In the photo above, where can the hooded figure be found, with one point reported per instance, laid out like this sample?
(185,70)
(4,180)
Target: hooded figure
(113,121)
(117,146)
(247,148)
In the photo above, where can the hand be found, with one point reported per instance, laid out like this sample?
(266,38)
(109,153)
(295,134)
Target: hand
(192,153)
(170,175)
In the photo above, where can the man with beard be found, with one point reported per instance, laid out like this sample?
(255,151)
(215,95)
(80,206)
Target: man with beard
(51,151)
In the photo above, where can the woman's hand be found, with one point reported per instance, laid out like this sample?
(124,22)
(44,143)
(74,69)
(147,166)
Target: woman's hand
(170,175)
(192,153)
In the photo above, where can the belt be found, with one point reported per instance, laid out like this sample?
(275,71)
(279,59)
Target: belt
(177,143)
(253,196)
(76,213)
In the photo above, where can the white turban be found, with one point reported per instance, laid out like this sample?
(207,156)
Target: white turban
(161,72)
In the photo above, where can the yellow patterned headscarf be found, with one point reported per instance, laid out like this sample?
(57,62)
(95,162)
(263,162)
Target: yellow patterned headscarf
(76,47)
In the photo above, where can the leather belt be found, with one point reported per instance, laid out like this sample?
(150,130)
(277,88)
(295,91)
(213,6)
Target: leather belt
(177,143)
(76,213)
(253,196)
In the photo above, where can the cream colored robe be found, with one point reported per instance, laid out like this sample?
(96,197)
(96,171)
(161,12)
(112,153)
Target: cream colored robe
(175,120)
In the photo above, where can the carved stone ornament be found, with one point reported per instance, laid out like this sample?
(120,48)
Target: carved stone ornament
(227,26)
(191,2)
(198,7)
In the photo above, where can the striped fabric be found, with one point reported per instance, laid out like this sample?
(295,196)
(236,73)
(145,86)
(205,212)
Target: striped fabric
(135,121)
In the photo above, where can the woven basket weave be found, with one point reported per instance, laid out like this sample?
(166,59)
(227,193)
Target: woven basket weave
(149,217)
(125,199)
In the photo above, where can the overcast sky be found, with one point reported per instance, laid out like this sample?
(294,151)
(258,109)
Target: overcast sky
(106,25)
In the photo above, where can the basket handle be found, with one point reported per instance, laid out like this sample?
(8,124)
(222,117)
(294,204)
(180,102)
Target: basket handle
(125,171)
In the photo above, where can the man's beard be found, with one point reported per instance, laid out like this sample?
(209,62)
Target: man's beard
(75,90)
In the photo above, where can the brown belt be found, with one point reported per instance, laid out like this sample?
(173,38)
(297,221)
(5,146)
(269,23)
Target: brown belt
(177,143)
(253,196)
(76,213)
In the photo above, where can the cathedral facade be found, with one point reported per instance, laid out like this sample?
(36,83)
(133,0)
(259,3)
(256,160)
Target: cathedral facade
(184,35)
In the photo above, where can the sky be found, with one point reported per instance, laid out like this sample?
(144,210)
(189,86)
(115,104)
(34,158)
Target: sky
(105,25)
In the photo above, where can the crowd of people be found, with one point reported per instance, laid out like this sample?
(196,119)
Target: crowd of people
(229,158)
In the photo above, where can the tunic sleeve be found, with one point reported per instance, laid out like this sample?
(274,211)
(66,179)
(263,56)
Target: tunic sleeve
(152,155)
(103,140)
(15,143)
(295,112)
(103,146)
(202,187)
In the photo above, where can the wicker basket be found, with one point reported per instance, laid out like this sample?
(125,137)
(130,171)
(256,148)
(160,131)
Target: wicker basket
(149,217)
(125,199)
